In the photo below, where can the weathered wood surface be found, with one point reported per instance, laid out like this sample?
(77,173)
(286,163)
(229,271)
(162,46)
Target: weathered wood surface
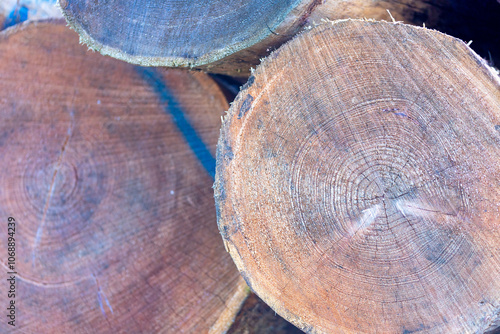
(108,170)
(230,38)
(358,182)
(185,33)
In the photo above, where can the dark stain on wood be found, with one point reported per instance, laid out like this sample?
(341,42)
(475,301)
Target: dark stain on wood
(245,106)
(249,83)
(173,108)
(416,330)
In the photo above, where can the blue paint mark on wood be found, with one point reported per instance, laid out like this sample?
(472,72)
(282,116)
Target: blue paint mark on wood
(17,15)
(173,108)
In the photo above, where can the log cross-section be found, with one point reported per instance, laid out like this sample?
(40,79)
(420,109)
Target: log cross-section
(108,169)
(358,182)
(186,33)
(230,37)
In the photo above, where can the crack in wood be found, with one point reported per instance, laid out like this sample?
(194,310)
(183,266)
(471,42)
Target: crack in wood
(39,231)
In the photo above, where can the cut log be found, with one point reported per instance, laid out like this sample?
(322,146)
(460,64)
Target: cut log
(108,169)
(230,38)
(358,180)
(196,33)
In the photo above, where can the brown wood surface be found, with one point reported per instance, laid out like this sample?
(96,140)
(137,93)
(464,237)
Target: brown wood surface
(108,170)
(476,21)
(358,182)
(230,38)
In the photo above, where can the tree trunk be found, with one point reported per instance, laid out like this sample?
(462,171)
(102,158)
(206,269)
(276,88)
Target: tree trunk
(358,178)
(108,168)
(230,38)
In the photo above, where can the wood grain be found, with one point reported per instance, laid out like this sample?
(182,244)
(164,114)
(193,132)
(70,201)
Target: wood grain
(475,21)
(108,169)
(197,33)
(231,37)
(358,182)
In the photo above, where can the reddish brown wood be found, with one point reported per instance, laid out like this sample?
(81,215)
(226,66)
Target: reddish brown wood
(358,182)
(116,227)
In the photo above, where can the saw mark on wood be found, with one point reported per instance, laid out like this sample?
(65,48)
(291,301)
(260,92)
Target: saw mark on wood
(101,296)
(367,218)
(408,208)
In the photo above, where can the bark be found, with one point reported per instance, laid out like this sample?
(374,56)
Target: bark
(108,169)
(357,182)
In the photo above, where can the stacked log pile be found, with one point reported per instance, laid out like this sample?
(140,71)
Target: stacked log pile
(357,178)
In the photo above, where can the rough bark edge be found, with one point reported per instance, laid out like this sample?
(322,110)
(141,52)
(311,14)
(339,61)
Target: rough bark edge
(224,153)
(293,20)
(233,306)
(493,326)
(493,72)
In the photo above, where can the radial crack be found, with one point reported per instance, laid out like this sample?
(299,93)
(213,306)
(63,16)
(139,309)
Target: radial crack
(39,231)
(365,221)
(419,210)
